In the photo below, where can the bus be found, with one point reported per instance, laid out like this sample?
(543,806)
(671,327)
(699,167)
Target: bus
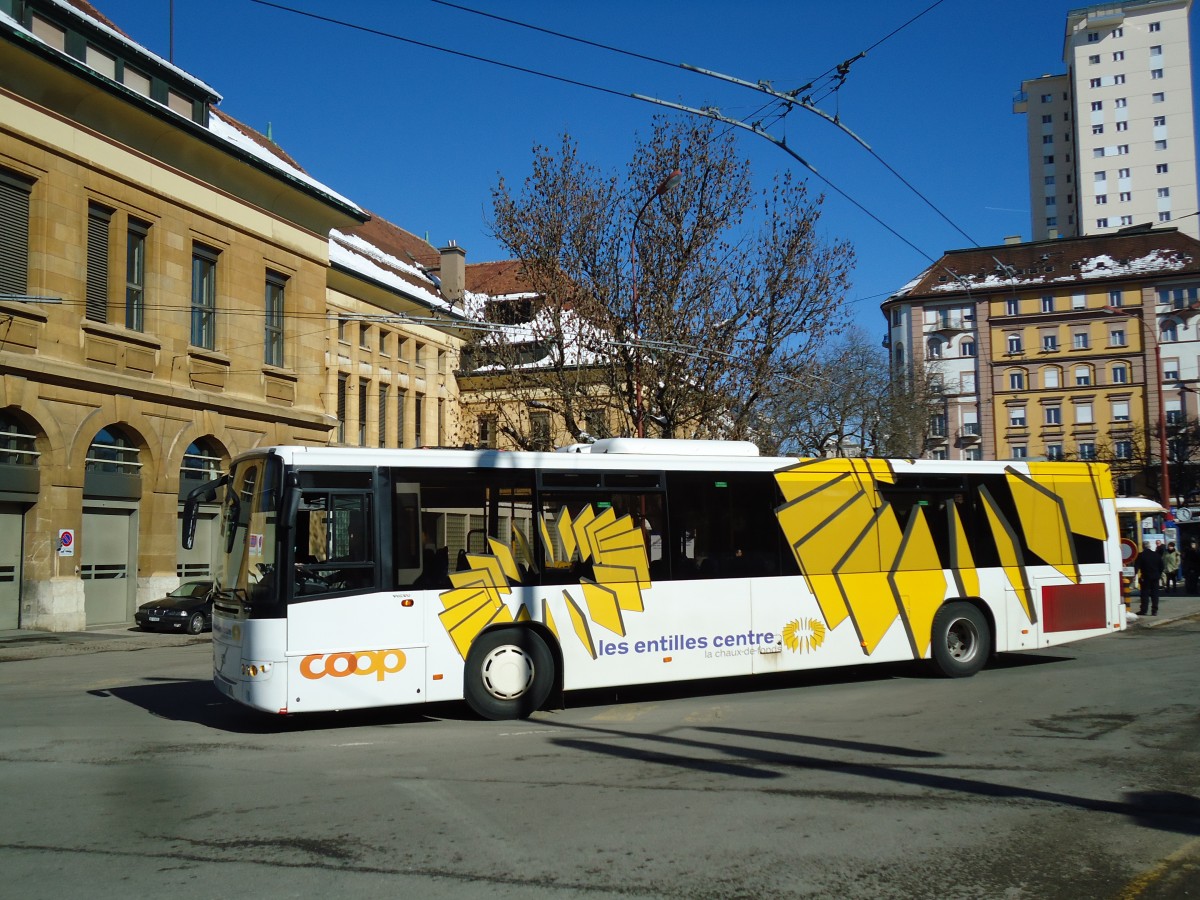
(353,578)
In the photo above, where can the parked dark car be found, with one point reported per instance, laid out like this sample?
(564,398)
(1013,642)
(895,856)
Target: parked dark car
(187,608)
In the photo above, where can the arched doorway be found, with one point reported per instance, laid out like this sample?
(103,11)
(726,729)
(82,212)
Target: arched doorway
(201,463)
(112,489)
(19,487)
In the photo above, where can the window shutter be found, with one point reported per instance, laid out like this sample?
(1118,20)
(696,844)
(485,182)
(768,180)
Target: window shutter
(97,263)
(14,236)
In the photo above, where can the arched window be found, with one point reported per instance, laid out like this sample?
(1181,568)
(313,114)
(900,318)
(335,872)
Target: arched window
(1051,377)
(966,348)
(1016,379)
(17,443)
(113,452)
(1170,331)
(935,349)
(899,354)
(1120,374)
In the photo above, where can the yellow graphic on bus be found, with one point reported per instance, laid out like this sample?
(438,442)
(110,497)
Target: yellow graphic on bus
(612,548)
(876,546)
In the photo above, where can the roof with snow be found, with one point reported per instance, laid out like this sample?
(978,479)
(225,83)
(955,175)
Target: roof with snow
(1136,253)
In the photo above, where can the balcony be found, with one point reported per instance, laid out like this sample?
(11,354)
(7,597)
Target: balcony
(969,434)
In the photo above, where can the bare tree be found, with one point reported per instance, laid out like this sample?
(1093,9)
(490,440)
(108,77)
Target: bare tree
(849,404)
(685,310)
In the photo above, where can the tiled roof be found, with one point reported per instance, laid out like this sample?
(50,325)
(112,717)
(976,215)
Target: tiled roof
(497,279)
(1058,263)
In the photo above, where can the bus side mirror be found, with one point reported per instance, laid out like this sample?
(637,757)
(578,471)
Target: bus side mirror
(206,492)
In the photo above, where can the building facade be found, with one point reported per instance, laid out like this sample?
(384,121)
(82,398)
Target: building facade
(1111,143)
(175,290)
(1059,349)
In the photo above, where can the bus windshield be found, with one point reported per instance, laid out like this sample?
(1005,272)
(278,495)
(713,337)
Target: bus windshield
(249,513)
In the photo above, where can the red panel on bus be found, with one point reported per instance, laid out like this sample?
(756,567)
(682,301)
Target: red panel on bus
(1074,607)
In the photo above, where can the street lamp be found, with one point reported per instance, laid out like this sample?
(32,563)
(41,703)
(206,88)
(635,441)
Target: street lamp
(667,184)
(1162,416)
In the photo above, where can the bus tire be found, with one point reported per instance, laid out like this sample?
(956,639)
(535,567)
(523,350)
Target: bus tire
(509,673)
(962,640)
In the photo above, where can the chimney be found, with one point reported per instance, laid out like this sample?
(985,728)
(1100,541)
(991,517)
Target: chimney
(453,272)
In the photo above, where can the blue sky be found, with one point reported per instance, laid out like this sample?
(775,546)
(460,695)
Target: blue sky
(421,136)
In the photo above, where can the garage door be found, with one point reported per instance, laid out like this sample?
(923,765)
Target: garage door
(12,536)
(109,565)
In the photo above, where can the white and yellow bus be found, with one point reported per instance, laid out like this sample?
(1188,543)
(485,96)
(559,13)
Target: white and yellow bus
(360,578)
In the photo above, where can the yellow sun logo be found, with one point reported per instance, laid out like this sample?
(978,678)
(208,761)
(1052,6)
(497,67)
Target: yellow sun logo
(804,635)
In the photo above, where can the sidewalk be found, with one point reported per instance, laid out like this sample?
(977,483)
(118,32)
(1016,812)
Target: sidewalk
(24,644)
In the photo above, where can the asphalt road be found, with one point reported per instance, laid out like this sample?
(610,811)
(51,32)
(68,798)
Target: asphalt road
(1061,774)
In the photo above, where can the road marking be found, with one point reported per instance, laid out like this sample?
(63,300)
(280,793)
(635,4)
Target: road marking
(1147,880)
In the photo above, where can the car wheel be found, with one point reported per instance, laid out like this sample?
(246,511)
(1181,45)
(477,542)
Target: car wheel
(195,624)
(509,673)
(961,640)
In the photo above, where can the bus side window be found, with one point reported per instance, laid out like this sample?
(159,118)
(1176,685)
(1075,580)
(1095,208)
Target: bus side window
(334,549)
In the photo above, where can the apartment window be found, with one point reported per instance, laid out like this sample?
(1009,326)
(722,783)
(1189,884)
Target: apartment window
(96,287)
(1120,374)
(1087,450)
(1164,217)
(1016,417)
(1118,79)
(1156,74)
(1011,307)
(1126,220)
(273,319)
(1048,160)
(1123,449)
(1122,126)
(135,275)
(1014,343)
(1047,304)
(539,430)
(1047,119)
(1122,173)
(1047,139)
(1049,342)
(1156,26)
(1162,168)
(382,407)
(1053,415)
(1048,180)
(487,432)
(1160,120)
(1101,199)
(1158,97)
(1097,105)
(1116,337)
(401,401)
(897,316)
(935,349)
(1093,36)
(1051,201)
(1054,451)
(966,348)
(1118,32)
(362,412)
(1126,196)
(1170,370)
(1118,56)
(1102,223)
(342,330)
(937,425)
(204,296)
(1019,451)
(1079,340)
(1160,145)
(1051,221)
(1164,192)
(1083,376)
(1100,177)
(1079,301)
(1122,149)
(1083,414)
(419,420)
(1120,410)
(1174,416)
(1094,82)
(1016,381)
(1050,377)
(343,379)
(1094,59)
(1116,297)
(1121,102)
(364,336)
(1047,98)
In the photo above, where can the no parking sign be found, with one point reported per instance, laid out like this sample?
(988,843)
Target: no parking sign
(66,542)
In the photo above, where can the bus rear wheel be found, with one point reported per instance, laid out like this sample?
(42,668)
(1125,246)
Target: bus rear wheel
(962,640)
(509,673)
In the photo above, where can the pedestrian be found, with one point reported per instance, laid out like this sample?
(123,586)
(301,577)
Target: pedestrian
(1191,568)
(1149,568)
(1171,561)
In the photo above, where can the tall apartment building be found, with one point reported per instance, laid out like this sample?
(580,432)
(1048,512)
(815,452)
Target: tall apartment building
(1112,142)
(1058,349)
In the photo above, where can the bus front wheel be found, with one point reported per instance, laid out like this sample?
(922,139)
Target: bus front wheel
(962,640)
(509,674)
